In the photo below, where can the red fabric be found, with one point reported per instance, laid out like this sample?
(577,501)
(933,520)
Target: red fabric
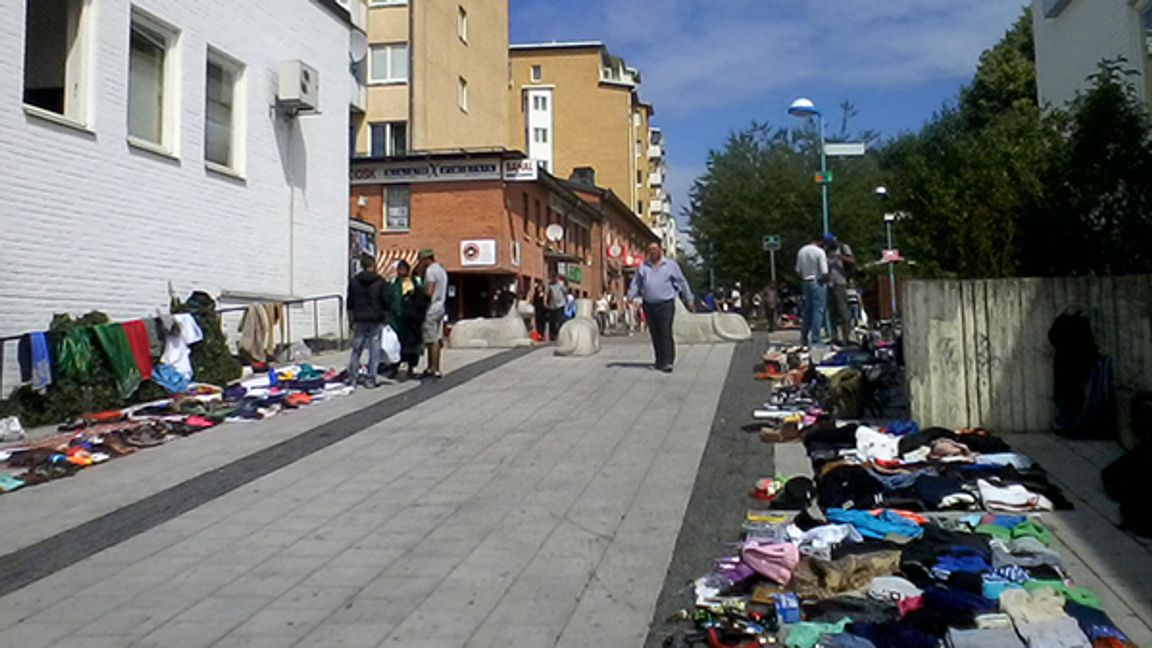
(138,341)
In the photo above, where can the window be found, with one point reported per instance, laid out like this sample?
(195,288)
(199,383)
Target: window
(388,63)
(396,208)
(463,94)
(539,221)
(54,57)
(221,128)
(389,139)
(524,195)
(151,100)
(540,135)
(539,102)
(462,23)
(639,177)
(537,73)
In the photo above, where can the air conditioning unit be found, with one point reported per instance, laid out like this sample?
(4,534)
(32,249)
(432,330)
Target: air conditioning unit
(299,86)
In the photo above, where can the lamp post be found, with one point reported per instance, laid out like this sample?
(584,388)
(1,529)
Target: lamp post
(806,109)
(889,218)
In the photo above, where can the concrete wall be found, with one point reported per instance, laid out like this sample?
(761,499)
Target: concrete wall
(89,222)
(978,352)
(1070,45)
(592,122)
(441,58)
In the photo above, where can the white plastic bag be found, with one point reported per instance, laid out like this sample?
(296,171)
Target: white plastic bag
(11,430)
(390,344)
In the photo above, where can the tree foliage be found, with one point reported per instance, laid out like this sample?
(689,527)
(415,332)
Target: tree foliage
(994,185)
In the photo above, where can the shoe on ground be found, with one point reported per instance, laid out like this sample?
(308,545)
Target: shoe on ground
(666,369)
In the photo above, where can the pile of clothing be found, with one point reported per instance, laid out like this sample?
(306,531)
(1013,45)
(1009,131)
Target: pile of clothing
(95,438)
(935,469)
(889,578)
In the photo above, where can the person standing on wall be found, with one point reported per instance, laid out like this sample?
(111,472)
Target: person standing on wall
(436,288)
(367,312)
(840,264)
(658,282)
(812,266)
(557,300)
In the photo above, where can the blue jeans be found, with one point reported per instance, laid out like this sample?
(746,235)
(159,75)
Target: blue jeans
(365,336)
(815,298)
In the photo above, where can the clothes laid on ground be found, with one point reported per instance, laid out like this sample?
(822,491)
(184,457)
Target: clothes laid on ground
(95,438)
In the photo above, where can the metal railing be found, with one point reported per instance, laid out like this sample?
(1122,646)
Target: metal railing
(288,304)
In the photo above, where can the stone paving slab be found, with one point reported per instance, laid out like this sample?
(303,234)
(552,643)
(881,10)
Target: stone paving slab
(552,484)
(36,513)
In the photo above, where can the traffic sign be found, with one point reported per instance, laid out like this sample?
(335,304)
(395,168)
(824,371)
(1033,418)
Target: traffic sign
(771,242)
(823,177)
(892,256)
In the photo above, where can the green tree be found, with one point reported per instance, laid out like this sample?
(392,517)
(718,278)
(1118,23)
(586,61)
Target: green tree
(762,182)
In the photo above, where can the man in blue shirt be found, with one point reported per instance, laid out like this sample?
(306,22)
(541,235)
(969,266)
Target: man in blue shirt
(659,281)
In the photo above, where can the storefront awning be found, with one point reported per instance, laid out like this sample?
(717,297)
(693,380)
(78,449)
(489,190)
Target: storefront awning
(386,260)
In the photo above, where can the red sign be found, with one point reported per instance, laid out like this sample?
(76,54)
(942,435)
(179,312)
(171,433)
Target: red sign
(892,256)
(617,251)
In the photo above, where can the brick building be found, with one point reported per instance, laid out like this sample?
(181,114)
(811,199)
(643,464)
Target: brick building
(487,216)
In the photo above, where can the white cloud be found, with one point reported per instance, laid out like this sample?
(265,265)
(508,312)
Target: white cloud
(697,54)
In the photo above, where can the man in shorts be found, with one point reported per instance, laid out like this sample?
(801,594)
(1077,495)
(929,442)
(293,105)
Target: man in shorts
(436,287)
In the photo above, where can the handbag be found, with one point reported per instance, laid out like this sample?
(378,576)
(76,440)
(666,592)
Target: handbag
(390,345)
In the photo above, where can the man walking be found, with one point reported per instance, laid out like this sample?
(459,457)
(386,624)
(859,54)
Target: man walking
(367,312)
(812,266)
(840,262)
(557,301)
(436,288)
(658,282)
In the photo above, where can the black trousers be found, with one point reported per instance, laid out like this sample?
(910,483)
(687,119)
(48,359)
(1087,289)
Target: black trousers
(555,321)
(659,316)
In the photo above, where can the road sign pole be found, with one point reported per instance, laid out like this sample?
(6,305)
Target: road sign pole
(891,272)
(772,254)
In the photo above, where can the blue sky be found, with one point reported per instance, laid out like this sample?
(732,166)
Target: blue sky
(713,66)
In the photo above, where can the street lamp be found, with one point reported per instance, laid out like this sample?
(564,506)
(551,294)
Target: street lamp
(806,109)
(889,218)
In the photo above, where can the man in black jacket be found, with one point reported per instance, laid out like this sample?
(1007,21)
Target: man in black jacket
(367,312)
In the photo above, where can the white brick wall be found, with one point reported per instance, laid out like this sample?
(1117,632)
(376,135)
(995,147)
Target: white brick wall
(88,223)
(1069,46)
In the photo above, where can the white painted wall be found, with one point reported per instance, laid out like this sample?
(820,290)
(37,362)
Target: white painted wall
(1069,46)
(539,110)
(86,222)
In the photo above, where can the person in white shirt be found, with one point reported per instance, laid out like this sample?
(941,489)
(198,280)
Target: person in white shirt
(737,300)
(812,266)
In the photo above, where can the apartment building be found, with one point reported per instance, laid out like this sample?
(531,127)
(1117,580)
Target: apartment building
(575,105)
(1073,36)
(152,146)
(436,75)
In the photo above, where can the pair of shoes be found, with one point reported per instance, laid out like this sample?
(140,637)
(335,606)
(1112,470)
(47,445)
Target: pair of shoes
(666,369)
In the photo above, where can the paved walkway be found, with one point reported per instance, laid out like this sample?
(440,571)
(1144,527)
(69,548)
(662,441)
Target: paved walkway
(534,505)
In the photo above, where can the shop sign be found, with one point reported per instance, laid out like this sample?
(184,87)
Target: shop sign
(480,252)
(424,171)
(574,273)
(521,170)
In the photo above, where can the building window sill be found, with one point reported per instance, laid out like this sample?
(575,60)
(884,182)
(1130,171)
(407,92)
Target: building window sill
(58,119)
(151,147)
(227,172)
(388,83)
(395,231)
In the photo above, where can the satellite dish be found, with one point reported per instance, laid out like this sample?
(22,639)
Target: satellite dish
(357,46)
(554,232)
